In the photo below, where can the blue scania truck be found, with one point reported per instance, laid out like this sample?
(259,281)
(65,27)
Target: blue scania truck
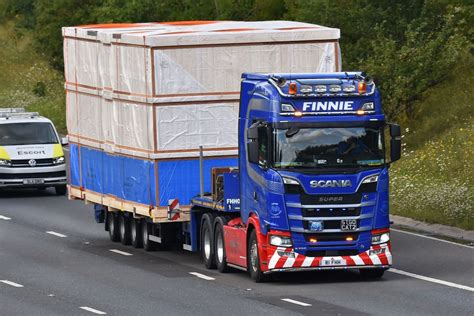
(310,187)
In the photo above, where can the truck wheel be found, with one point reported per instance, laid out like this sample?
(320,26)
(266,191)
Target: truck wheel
(207,241)
(136,233)
(60,189)
(253,259)
(124,222)
(372,274)
(112,223)
(220,254)
(148,245)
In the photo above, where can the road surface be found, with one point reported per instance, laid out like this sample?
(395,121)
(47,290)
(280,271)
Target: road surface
(54,260)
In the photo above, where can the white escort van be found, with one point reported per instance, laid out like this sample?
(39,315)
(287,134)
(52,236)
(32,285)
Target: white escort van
(31,153)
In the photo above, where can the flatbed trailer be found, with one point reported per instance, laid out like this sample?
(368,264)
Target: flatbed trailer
(296,164)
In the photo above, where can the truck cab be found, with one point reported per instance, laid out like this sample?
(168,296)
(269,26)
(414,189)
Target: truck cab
(31,154)
(313,181)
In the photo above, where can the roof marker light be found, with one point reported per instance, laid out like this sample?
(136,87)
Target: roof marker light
(349,88)
(292,88)
(298,114)
(306,89)
(320,88)
(360,112)
(335,88)
(369,106)
(349,238)
(362,87)
(287,107)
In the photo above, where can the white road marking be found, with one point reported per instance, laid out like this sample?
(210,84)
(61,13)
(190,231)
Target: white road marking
(432,238)
(202,276)
(92,310)
(424,278)
(56,234)
(123,253)
(289,300)
(11,283)
(5,218)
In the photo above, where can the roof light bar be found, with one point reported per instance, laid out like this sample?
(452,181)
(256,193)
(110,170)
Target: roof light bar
(18,114)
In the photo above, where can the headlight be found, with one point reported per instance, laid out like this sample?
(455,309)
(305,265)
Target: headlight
(58,160)
(381,238)
(280,241)
(5,163)
(371,179)
(290,181)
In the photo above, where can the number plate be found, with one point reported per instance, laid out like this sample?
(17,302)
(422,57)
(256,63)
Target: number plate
(333,262)
(348,224)
(33,181)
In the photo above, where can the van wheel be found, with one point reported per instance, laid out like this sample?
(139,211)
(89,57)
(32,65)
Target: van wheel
(148,245)
(253,259)
(207,241)
(124,222)
(136,233)
(113,224)
(60,189)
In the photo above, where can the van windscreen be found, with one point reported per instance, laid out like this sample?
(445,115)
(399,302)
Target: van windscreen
(27,134)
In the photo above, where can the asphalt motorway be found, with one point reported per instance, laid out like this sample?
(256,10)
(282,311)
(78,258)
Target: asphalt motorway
(54,260)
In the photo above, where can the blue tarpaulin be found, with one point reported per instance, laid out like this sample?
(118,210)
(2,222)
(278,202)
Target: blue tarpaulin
(133,179)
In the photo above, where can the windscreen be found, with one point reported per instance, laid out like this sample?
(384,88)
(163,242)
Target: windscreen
(27,134)
(328,147)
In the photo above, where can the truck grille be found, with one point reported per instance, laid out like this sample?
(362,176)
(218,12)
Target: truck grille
(322,253)
(43,175)
(331,236)
(328,212)
(329,224)
(17,163)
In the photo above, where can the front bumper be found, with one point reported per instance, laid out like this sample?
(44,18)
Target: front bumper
(282,259)
(33,176)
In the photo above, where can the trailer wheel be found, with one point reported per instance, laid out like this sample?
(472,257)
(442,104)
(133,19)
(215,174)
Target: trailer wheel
(220,254)
(136,233)
(372,274)
(148,245)
(124,222)
(207,241)
(113,225)
(253,259)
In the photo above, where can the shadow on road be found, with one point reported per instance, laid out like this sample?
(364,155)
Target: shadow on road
(26,193)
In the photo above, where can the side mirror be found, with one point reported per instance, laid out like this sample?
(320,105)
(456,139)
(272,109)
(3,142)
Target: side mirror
(252,144)
(395,142)
(252,148)
(64,141)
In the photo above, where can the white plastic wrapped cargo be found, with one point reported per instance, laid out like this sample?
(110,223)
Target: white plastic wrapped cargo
(175,86)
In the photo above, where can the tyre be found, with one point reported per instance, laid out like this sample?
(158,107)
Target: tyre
(60,189)
(219,249)
(372,274)
(124,223)
(253,259)
(148,245)
(113,225)
(207,241)
(136,233)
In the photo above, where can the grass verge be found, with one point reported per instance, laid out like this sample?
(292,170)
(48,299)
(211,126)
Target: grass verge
(26,79)
(434,180)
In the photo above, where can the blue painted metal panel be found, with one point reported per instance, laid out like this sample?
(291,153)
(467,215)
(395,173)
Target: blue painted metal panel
(231,192)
